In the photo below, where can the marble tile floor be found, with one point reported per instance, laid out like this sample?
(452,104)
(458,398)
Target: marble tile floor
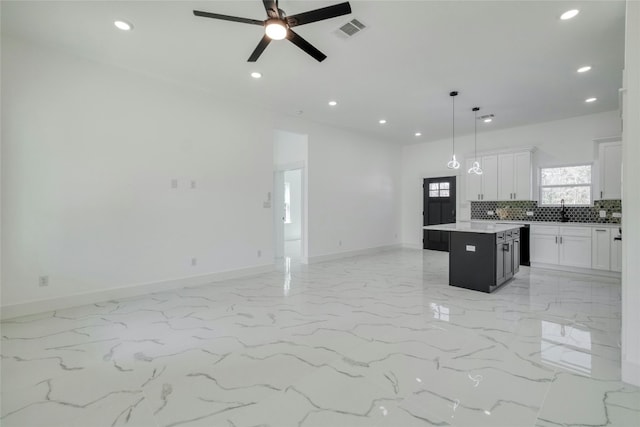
(378,340)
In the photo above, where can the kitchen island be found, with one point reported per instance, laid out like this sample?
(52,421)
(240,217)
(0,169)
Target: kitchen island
(482,257)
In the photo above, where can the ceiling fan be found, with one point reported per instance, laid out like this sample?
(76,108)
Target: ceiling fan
(278,25)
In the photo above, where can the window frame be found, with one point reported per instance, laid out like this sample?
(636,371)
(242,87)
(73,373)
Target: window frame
(590,185)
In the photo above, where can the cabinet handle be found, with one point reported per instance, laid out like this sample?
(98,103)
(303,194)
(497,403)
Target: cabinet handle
(601,194)
(601,230)
(560,239)
(478,197)
(556,240)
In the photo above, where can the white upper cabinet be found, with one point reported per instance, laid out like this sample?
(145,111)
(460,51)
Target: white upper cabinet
(514,176)
(610,160)
(485,186)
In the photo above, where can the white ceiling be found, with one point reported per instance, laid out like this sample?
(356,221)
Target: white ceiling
(517,59)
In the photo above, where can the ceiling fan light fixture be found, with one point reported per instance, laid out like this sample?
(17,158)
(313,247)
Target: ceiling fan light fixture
(275,29)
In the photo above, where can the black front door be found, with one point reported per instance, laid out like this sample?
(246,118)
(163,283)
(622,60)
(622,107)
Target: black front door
(439,208)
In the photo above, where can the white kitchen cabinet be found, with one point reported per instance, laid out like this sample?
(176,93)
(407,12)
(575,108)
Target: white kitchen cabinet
(485,186)
(616,250)
(514,176)
(610,161)
(569,246)
(544,248)
(601,248)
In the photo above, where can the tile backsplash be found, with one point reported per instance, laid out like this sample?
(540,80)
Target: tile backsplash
(517,211)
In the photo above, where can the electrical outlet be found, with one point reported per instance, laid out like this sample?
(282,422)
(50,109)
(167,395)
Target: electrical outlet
(603,214)
(490,213)
(174,183)
(194,261)
(259,253)
(43,281)
(529,213)
(616,215)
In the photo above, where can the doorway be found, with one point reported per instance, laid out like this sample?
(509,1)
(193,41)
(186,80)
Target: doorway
(439,208)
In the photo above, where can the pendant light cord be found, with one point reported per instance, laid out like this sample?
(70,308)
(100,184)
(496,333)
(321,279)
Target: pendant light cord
(453,123)
(475,134)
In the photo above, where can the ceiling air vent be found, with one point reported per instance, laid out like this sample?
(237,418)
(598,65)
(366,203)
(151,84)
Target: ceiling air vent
(350,29)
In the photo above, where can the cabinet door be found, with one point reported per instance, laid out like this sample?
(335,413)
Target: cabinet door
(610,170)
(575,251)
(600,248)
(522,176)
(489,177)
(544,248)
(616,252)
(500,277)
(508,260)
(473,184)
(506,184)
(516,255)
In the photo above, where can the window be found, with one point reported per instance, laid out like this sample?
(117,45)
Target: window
(287,203)
(569,183)
(438,189)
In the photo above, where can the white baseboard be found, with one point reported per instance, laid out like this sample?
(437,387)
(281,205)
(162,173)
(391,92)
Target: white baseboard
(631,372)
(412,246)
(59,303)
(347,254)
(603,273)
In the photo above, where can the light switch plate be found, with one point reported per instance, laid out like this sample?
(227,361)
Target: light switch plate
(529,213)
(471,248)
(616,215)
(490,213)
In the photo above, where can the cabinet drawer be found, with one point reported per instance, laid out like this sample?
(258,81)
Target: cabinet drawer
(547,230)
(515,233)
(500,237)
(575,231)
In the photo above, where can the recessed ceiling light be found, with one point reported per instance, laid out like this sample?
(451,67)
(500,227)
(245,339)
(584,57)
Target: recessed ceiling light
(256,75)
(123,25)
(382,121)
(591,100)
(488,120)
(569,14)
(333,103)
(584,69)
(418,134)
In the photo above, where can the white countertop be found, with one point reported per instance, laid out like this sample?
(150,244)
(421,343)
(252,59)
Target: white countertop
(569,224)
(473,227)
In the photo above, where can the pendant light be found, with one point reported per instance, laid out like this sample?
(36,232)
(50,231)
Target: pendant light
(453,163)
(476,166)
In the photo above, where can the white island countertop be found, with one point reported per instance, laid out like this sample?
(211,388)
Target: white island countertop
(473,227)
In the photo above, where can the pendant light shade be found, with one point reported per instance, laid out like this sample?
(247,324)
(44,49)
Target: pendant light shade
(453,163)
(475,168)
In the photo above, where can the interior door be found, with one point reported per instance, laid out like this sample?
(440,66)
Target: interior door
(439,208)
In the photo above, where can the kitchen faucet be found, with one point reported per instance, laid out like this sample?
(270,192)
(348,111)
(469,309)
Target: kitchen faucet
(563,212)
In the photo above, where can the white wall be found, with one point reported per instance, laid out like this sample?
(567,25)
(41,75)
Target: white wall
(354,189)
(557,142)
(631,200)
(293,230)
(88,156)
(89,153)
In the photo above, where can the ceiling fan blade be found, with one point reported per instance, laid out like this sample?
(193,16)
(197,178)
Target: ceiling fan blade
(271,7)
(319,14)
(227,17)
(259,49)
(305,45)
